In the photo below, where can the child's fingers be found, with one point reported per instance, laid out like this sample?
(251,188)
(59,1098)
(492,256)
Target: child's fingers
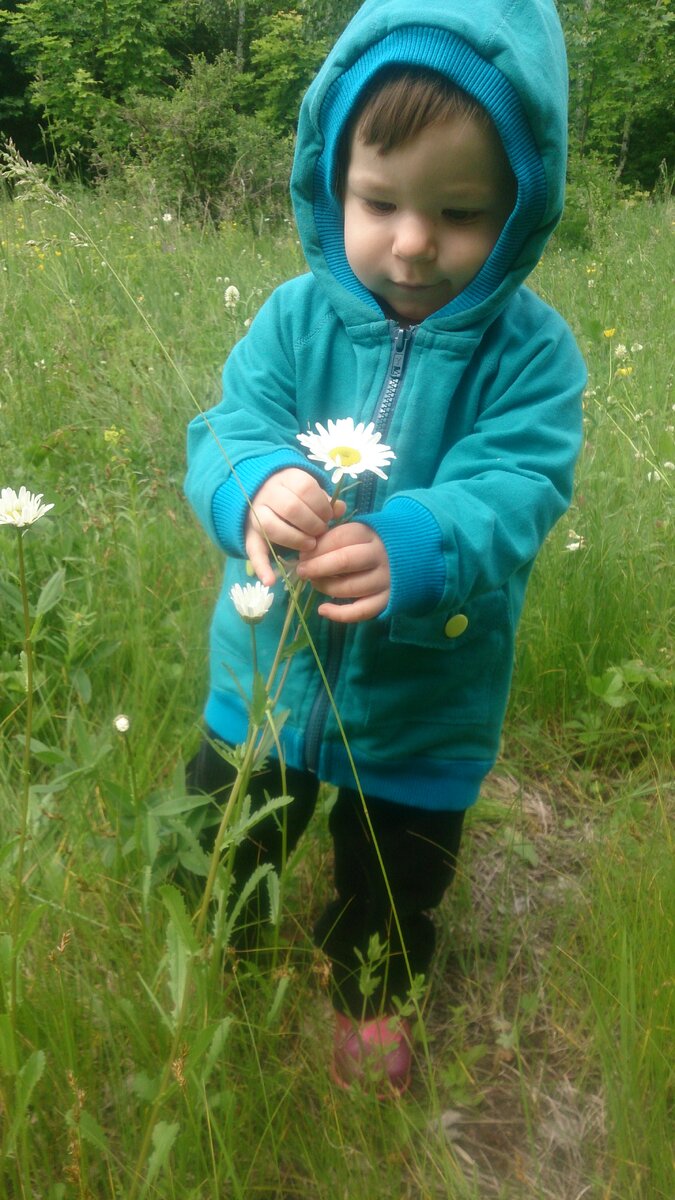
(258,554)
(296,498)
(264,529)
(364,609)
(347,550)
(277,529)
(350,563)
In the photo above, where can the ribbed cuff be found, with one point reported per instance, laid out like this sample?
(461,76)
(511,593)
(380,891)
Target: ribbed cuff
(412,539)
(231,501)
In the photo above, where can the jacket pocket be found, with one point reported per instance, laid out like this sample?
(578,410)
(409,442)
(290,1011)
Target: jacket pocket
(448,668)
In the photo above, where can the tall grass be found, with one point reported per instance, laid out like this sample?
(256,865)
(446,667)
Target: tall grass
(549,1021)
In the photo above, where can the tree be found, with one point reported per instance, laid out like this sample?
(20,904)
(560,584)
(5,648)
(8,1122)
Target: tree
(283,61)
(15,115)
(622,71)
(84,59)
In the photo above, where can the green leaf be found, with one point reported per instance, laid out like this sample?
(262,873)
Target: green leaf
(274,895)
(29,1075)
(259,702)
(51,593)
(175,905)
(179,954)
(527,852)
(9,1064)
(49,755)
(6,961)
(208,1045)
(282,988)
(81,684)
(90,1130)
(163,1138)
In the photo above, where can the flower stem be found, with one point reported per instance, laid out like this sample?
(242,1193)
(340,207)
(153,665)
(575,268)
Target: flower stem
(25,777)
(238,789)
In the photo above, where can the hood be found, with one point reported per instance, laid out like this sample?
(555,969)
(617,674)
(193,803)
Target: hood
(510,56)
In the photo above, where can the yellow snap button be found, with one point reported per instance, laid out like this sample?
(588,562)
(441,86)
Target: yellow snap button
(456,625)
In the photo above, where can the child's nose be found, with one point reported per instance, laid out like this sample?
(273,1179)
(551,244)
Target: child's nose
(414,237)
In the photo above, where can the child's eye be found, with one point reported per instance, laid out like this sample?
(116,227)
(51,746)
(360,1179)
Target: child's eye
(461,216)
(379,206)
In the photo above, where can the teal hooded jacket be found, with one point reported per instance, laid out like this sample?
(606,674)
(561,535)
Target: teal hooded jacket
(481,403)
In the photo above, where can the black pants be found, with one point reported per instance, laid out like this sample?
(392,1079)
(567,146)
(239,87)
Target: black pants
(418,849)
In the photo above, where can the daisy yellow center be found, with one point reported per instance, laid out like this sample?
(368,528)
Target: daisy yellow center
(346,456)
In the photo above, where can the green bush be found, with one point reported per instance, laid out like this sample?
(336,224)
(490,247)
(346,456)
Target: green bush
(198,151)
(592,191)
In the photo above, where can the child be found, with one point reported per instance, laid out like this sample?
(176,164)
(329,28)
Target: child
(428,176)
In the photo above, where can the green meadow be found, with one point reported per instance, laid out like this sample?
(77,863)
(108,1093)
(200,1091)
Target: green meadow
(136,1060)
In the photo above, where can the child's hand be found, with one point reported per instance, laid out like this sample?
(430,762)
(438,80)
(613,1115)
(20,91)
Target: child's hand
(349,562)
(292,510)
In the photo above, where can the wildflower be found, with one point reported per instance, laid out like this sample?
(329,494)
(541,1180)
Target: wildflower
(347,449)
(620,351)
(624,371)
(121,723)
(669,466)
(576,542)
(231,296)
(636,348)
(252,601)
(22,509)
(609,333)
(167,218)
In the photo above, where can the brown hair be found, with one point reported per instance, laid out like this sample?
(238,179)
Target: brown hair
(397,104)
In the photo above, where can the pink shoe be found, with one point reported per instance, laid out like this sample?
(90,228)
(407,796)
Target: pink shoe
(378,1050)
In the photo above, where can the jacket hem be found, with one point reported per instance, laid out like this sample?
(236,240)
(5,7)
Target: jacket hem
(450,786)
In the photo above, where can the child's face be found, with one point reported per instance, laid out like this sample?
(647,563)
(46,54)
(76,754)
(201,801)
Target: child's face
(420,221)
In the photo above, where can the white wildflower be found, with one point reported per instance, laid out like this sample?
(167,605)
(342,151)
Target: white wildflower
(347,449)
(576,541)
(232,296)
(252,601)
(167,218)
(620,351)
(636,348)
(23,509)
(121,723)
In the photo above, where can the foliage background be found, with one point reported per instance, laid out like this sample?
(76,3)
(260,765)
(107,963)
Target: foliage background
(199,97)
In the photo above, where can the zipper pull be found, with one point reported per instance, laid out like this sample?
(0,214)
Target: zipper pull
(400,343)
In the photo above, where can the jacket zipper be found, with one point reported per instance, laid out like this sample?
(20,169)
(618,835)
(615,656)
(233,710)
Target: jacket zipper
(402,340)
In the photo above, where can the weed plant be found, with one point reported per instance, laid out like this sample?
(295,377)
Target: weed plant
(545,1045)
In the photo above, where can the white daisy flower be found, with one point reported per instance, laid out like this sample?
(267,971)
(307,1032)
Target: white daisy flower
(22,509)
(232,296)
(121,723)
(347,449)
(576,541)
(167,218)
(252,601)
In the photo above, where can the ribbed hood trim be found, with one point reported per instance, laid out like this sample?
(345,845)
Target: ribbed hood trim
(451,56)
